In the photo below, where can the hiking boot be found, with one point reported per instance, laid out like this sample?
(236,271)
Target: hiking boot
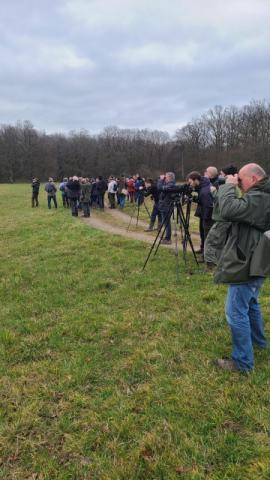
(227,364)
(165,242)
(200,260)
(150,228)
(200,251)
(210,266)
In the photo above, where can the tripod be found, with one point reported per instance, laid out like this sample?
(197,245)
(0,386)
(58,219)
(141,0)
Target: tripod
(180,217)
(136,209)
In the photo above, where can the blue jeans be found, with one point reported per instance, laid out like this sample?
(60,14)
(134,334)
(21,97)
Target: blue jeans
(122,199)
(243,313)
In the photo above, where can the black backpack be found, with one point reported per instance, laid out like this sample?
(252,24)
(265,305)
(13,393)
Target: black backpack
(50,188)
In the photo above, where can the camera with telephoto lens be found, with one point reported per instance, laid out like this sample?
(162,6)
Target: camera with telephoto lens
(175,192)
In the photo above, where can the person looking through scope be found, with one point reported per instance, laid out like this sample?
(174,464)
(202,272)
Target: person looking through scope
(164,206)
(152,189)
(244,261)
(205,204)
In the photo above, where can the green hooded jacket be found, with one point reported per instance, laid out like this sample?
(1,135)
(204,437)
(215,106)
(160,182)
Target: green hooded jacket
(86,189)
(217,237)
(246,252)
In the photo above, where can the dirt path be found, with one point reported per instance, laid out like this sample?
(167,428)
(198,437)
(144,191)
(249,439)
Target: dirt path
(123,217)
(120,226)
(116,222)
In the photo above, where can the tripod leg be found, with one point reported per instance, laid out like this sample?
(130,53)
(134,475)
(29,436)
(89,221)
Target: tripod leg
(131,217)
(146,208)
(187,219)
(164,225)
(159,234)
(176,249)
(138,214)
(186,230)
(153,246)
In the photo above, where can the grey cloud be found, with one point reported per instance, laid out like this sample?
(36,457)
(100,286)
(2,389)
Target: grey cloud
(87,64)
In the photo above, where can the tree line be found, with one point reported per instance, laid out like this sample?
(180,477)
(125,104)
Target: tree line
(219,137)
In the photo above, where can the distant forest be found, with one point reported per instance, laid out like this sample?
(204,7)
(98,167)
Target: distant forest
(219,137)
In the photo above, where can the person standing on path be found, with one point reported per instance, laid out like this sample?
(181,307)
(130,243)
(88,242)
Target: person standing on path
(112,188)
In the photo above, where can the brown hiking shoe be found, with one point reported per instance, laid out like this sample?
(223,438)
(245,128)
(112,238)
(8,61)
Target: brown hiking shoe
(227,364)
(165,242)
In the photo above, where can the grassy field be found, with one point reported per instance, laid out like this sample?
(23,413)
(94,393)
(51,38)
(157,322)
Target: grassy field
(107,373)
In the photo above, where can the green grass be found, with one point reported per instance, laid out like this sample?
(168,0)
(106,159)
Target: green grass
(106,373)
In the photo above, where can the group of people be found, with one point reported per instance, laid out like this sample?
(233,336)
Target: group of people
(82,193)
(234,225)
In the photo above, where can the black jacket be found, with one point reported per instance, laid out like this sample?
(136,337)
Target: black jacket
(205,200)
(101,187)
(73,188)
(153,191)
(35,186)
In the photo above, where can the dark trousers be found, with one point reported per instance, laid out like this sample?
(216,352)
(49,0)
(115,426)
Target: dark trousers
(74,206)
(93,200)
(155,213)
(52,198)
(100,200)
(131,196)
(205,227)
(167,221)
(35,199)
(65,200)
(86,209)
(111,198)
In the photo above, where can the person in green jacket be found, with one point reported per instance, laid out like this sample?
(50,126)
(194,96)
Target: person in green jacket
(244,261)
(85,198)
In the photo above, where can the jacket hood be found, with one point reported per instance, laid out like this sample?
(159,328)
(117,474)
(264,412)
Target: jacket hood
(264,185)
(204,182)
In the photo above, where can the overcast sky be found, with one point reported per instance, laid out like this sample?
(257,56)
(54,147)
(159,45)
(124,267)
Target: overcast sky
(87,64)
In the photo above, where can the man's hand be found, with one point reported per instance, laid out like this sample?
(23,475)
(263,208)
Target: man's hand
(232,179)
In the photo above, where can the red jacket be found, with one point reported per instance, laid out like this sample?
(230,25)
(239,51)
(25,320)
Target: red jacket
(130,185)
